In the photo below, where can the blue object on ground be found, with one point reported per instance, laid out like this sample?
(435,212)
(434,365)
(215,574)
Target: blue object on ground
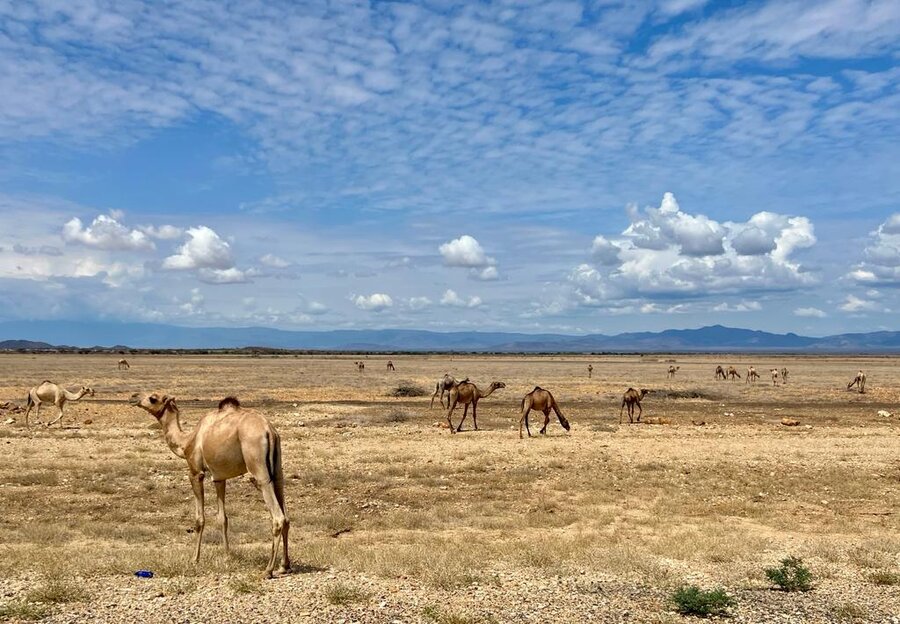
(144,574)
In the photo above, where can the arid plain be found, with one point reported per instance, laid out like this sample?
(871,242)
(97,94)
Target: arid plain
(393,519)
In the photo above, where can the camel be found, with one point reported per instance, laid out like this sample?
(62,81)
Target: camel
(123,364)
(227,443)
(445,384)
(631,398)
(390,366)
(49,392)
(360,366)
(467,393)
(859,381)
(542,401)
(720,373)
(784,375)
(590,370)
(774,372)
(752,375)
(732,372)
(672,370)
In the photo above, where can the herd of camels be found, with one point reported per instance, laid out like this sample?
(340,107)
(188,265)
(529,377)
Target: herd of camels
(231,440)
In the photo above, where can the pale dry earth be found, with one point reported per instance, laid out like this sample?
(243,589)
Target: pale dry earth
(395,520)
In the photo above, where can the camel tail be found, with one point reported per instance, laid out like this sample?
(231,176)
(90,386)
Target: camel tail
(29,402)
(273,456)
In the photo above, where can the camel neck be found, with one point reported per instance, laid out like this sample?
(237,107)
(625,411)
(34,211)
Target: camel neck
(73,396)
(175,436)
(488,392)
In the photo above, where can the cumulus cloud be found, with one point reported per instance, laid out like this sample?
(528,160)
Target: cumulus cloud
(162,232)
(666,252)
(231,275)
(810,312)
(855,304)
(741,306)
(271,260)
(375,302)
(465,251)
(418,303)
(882,255)
(451,298)
(203,250)
(105,232)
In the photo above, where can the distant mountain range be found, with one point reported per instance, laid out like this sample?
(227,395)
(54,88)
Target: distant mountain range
(41,335)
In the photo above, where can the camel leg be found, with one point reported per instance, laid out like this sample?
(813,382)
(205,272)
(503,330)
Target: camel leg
(59,417)
(450,415)
(199,514)
(434,395)
(286,559)
(640,411)
(465,413)
(475,414)
(546,421)
(280,527)
(620,412)
(524,419)
(222,516)
(28,411)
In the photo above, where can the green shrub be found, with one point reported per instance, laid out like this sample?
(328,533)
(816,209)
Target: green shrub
(691,600)
(791,575)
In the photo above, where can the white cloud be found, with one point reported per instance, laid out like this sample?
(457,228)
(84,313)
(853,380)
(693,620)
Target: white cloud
(230,275)
(162,232)
(487,274)
(271,260)
(203,250)
(810,312)
(854,304)
(741,306)
(375,302)
(451,298)
(316,308)
(418,303)
(604,251)
(882,255)
(465,251)
(105,232)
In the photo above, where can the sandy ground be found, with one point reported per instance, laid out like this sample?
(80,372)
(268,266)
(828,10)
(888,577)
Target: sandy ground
(395,520)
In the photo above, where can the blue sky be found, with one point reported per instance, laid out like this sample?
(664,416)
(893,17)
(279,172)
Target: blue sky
(532,166)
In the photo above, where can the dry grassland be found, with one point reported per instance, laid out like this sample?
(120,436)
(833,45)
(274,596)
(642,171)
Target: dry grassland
(395,520)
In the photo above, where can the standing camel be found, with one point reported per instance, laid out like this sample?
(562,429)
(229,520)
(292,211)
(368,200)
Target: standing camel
(631,398)
(720,373)
(123,364)
(467,393)
(49,392)
(590,370)
(542,401)
(360,366)
(390,366)
(774,372)
(732,373)
(671,372)
(784,375)
(859,381)
(226,443)
(752,375)
(444,385)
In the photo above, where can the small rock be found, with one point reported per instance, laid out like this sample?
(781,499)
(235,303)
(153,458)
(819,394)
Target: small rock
(790,422)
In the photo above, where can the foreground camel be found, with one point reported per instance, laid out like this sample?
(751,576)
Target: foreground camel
(784,375)
(226,443)
(444,385)
(720,373)
(774,372)
(49,392)
(671,373)
(752,375)
(542,401)
(590,370)
(732,373)
(467,393)
(631,399)
(123,364)
(859,381)
(390,366)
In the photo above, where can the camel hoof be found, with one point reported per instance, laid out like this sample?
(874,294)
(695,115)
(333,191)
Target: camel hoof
(282,571)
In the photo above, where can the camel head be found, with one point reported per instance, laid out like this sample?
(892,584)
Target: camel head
(86,391)
(155,403)
(496,385)
(644,392)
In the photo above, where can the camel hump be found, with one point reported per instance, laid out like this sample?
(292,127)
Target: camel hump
(536,388)
(232,401)
(46,381)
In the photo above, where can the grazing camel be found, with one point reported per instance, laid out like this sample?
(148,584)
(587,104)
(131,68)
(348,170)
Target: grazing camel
(590,370)
(859,381)
(49,392)
(542,401)
(752,375)
(123,364)
(720,373)
(631,398)
(444,385)
(732,372)
(226,443)
(774,372)
(467,393)
(784,375)
(390,366)
(360,366)
(671,373)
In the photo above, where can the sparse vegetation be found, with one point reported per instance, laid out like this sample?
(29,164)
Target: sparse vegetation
(343,594)
(691,600)
(791,575)
(55,590)
(441,616)
(21,610)
(884,577)
(407,389)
